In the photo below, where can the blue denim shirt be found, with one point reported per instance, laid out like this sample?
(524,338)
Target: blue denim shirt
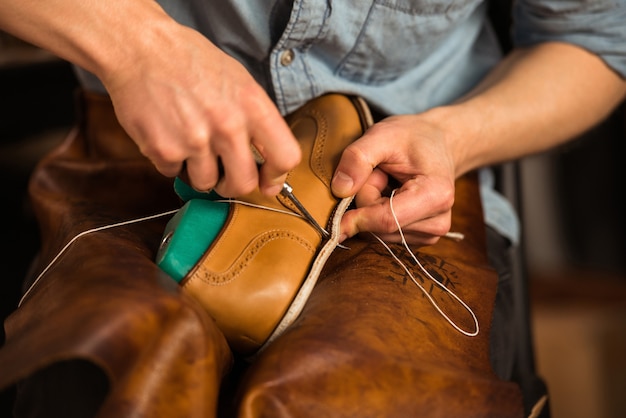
(402,56)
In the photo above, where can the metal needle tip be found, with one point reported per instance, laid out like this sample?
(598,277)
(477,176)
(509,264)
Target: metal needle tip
(287,191)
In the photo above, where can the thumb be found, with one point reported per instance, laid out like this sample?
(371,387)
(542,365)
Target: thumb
(342,184)
(355,166)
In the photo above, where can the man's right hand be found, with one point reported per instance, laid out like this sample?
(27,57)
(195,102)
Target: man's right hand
(181,99)
(188,104)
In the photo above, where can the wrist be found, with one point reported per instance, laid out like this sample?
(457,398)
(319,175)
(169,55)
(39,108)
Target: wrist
(464,134)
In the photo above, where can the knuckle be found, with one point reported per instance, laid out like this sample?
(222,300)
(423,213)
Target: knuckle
(160,150)
(253,97)
(288,161)
(230,123)
(244,186)
(447,196)
(441,198)
(441,226)
(167,168)
(167,155)
(235,186)
(355,155)
(197,138)
(158,155)
(388,223)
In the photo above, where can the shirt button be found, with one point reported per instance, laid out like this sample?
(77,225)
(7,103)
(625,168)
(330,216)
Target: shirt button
(287,57)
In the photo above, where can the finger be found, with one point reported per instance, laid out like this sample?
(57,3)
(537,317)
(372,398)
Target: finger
(413,238)
(425,231)
(165,154)
(281,153)
(202,171)
(168,169)
(372,191)
(357,163)
(279,149)
(241,174)
(415,212)
(386,217)
(357,221)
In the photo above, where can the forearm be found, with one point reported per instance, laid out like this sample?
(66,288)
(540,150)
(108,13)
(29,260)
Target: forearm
(100,36)
(534,100)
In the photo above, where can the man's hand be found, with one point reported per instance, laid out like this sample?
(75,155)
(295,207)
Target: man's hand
(535,99)
(191,105)
(413,152)
(181,99)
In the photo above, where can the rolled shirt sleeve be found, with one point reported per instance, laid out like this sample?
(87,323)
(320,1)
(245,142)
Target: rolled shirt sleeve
(598,26)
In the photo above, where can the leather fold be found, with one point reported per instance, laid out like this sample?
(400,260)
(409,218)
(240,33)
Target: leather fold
(104,314)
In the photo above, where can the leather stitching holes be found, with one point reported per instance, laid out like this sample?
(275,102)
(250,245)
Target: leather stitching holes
(248,254)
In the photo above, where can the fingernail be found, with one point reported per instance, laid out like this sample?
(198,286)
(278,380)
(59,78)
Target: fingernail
(342,238)
(342,183)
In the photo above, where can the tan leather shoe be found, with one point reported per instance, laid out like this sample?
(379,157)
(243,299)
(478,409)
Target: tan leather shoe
(258,272)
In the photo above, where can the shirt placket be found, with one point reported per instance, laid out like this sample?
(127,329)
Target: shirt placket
(292,80)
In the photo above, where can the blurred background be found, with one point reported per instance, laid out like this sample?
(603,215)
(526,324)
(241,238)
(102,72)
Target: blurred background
(574,233)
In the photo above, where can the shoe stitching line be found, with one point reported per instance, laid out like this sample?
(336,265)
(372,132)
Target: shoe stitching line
(246,256)
(318,150)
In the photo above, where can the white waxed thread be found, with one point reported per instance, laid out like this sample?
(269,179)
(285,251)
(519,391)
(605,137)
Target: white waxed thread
(132,221)
(430,298)
(89,231)
(456,236)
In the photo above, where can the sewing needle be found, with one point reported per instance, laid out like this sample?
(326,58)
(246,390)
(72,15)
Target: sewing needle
(287,192)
